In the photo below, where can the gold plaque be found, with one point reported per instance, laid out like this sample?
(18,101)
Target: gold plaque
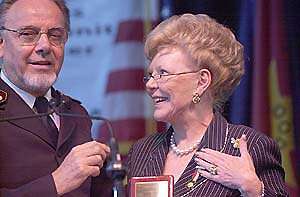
(154,186)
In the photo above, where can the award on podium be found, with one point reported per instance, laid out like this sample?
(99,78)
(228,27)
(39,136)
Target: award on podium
(153,186)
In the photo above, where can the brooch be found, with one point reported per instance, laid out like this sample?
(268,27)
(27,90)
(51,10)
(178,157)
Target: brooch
(195,177)
(235,142)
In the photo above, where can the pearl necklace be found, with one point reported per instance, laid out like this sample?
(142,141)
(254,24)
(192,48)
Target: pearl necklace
(180,152)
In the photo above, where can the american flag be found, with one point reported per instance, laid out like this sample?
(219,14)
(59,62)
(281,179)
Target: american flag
(126,103)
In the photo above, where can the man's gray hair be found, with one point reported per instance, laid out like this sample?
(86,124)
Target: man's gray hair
(6,4)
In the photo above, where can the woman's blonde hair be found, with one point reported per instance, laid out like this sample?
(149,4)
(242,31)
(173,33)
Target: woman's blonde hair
(211,46)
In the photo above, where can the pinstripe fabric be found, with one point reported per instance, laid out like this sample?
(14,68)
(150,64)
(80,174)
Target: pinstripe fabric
(147,157)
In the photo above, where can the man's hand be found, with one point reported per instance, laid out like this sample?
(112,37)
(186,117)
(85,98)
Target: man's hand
(83,161)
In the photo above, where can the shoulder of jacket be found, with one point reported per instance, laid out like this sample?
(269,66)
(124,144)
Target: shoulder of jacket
(65,97)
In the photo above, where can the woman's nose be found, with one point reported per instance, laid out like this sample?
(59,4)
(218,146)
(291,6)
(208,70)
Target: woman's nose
(151,85)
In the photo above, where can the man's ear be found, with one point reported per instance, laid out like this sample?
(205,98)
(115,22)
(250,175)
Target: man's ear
(204,80)
(1,46)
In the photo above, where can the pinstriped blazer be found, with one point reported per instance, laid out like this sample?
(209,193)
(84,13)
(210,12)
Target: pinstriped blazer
(147,157)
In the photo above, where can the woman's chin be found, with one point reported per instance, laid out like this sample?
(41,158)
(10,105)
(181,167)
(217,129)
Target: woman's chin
(162,117)
(158,117)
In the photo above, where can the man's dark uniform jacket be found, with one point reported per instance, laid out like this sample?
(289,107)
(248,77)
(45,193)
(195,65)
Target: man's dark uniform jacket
(28,156)
(147,157)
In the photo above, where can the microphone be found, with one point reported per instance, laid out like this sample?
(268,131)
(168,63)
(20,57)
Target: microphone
(115,169)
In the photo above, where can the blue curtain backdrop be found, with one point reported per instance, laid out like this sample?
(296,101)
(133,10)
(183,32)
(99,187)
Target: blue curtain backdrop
(240,104)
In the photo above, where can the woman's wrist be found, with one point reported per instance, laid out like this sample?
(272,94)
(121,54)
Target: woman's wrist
(252,188)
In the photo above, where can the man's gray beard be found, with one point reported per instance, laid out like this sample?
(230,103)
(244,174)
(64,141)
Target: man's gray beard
(39,82)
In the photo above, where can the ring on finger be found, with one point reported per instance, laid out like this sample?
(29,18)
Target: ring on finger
(213,170)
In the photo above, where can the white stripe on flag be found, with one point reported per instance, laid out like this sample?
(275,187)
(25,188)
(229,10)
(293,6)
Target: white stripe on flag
(127,55)
(127,104)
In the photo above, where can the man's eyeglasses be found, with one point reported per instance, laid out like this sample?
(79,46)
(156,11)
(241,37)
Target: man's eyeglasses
(30,35)
(159,76)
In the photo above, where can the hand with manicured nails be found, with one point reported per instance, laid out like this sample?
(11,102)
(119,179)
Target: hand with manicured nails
(83,161)
(231,171)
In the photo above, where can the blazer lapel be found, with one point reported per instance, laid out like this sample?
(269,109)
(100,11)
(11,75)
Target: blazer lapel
(66,129)
(158,156)
(67,124)
(213,138)
(15,106)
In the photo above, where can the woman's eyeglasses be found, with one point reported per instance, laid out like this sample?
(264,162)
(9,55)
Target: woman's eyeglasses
(159,76)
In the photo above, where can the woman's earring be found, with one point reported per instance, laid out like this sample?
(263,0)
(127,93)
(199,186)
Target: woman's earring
(196,98)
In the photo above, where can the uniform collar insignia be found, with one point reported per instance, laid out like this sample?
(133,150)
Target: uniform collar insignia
(3,96)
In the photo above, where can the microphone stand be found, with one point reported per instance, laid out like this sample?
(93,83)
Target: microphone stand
(114,169)
(38,115)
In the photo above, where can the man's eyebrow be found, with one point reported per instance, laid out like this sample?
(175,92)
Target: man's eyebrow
(28,27)
(57,28)
(35,27)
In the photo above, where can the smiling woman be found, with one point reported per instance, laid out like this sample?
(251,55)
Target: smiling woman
(176,84)
(195,63)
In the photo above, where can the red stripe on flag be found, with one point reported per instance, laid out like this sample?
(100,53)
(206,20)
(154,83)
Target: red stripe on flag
(125,130)
(131,30)
(129,79)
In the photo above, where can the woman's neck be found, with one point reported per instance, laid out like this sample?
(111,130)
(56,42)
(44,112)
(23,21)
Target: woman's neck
(190,129)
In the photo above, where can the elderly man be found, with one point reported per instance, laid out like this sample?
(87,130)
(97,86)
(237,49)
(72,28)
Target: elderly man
(52,155)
